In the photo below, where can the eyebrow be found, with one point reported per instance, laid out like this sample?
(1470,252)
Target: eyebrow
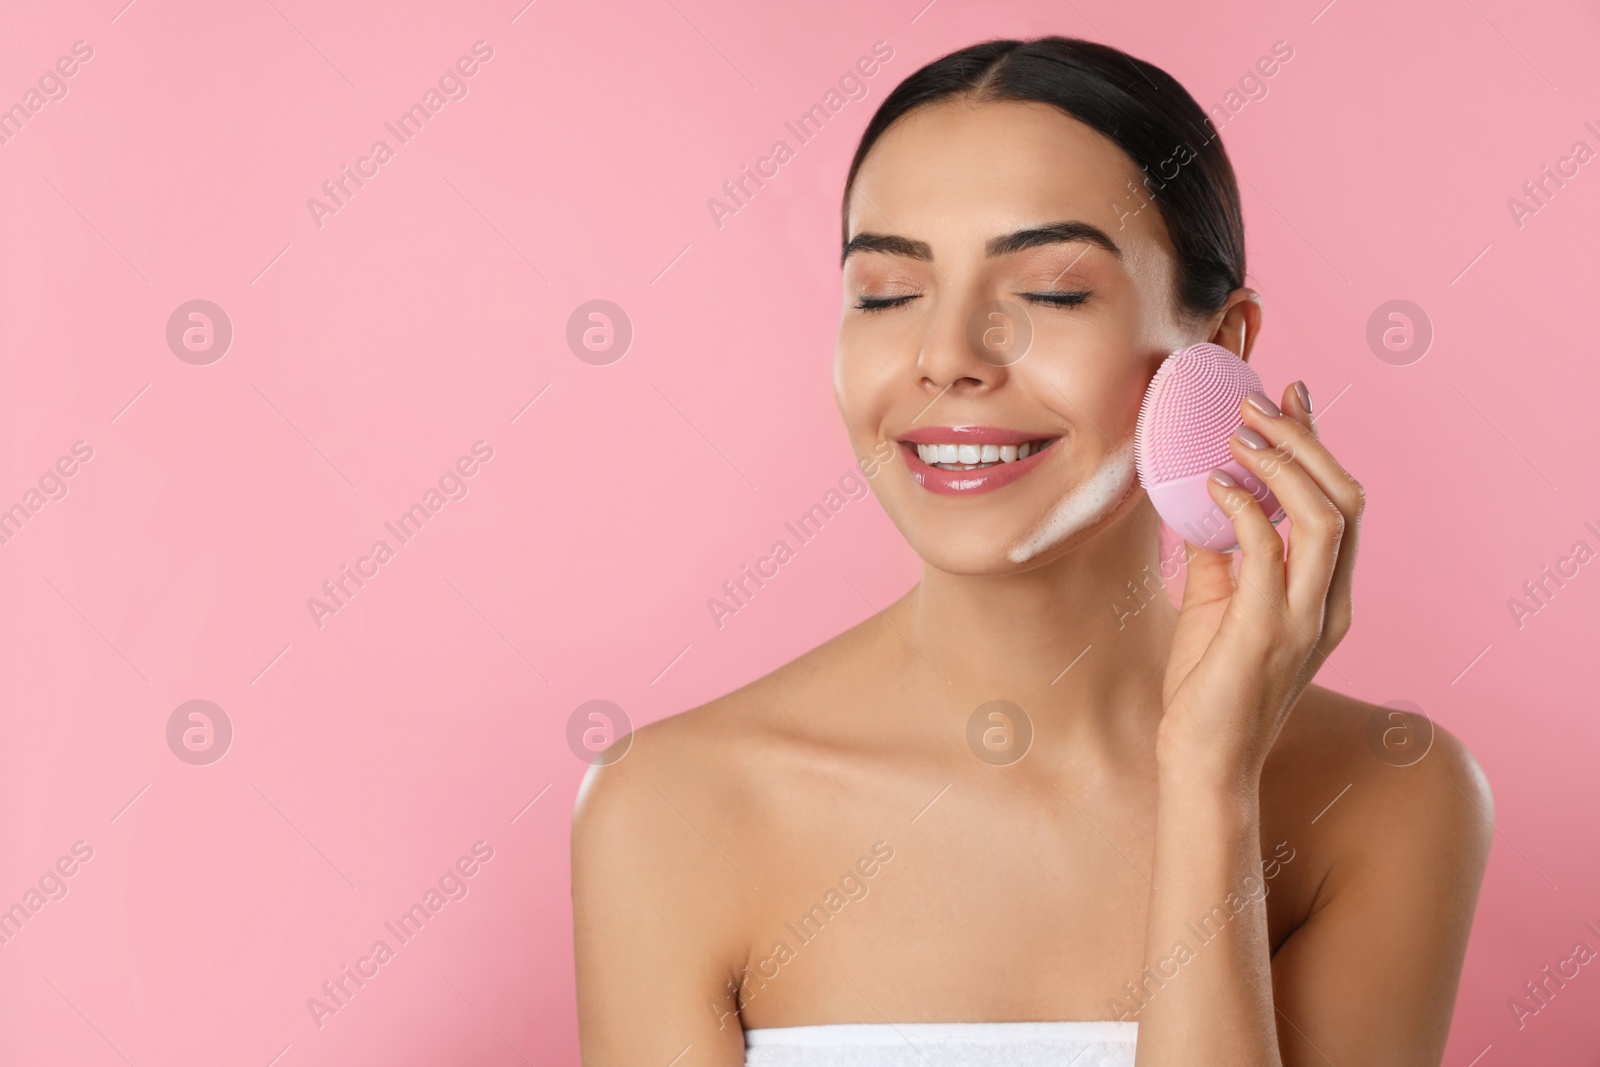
(1032,237)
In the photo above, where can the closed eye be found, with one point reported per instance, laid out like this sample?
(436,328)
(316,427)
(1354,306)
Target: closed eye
(1059,297)
(1053,298)
(879,303)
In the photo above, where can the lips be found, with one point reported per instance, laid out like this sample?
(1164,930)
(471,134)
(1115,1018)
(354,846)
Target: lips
(963,460)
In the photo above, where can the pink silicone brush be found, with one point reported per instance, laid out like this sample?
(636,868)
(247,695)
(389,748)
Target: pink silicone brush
(1190,409)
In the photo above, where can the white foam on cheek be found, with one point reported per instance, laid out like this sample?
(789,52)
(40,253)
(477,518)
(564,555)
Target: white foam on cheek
(1090,501)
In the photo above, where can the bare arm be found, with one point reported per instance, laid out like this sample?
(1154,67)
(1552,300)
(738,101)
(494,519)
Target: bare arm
(1370,977)
(652,913)
(1205,995)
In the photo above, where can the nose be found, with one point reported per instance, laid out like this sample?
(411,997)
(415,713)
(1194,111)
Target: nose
(969,349)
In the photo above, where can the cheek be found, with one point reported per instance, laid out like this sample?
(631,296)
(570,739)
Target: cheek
(1091,363)
(1098,391)
(864,385)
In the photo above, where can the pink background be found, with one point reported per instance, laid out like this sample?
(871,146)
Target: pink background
(368,354)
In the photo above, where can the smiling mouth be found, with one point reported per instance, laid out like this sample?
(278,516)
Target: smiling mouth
(950,456)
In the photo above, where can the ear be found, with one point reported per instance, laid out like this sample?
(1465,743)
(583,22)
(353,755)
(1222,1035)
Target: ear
(1238,324)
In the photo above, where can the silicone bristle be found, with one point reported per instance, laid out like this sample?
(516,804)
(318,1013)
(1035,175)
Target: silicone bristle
(1190,410)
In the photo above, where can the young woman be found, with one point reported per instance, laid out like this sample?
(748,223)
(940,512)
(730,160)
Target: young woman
(1031,811)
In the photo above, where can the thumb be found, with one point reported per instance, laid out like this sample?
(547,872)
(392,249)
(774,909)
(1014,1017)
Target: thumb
(1210,576)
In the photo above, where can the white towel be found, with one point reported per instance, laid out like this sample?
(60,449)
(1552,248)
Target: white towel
(1042,1044)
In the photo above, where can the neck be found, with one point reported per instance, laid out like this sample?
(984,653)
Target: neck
(1080,642)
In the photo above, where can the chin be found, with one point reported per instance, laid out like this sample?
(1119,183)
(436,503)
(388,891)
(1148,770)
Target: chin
(966,552)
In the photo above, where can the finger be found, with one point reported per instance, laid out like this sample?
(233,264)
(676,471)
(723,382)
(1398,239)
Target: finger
(1346,493)
(1317,524)
(1309,450)
(1297,405)
(1259,600)
(1341,588)
(1210,575)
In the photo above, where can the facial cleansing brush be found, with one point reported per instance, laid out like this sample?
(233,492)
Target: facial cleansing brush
(1190,409)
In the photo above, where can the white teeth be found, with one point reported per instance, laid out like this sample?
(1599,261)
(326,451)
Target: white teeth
(967,457)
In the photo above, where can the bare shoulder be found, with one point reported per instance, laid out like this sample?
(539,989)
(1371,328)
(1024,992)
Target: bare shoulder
(1392,752)
(687,765)
(1372,786)
(713,776)
(724,746)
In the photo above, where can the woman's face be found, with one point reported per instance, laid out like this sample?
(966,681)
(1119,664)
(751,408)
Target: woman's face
(1009,292)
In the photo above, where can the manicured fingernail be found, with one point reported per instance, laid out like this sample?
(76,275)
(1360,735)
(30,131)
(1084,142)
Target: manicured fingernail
(1304,394)
(1261,403)
(1251,439)
(1223,478)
